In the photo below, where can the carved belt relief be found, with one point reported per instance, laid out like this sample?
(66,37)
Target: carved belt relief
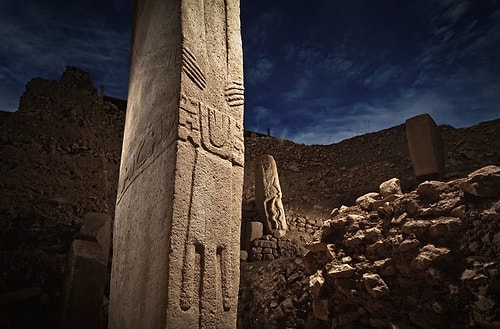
(210,120)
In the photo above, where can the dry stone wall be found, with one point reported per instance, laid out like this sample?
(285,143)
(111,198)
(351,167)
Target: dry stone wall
(59,155)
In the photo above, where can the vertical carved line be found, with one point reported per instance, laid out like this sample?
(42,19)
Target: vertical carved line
(188,265)
(228,37)
(188,277)
(208,300)
(224,258)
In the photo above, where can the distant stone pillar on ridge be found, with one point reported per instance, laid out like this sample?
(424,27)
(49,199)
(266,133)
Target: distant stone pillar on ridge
(178,211)
(426,148)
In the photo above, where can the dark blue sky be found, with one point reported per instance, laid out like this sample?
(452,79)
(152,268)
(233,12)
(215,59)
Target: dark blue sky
(316,72)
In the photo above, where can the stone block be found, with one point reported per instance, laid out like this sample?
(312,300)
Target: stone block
(426,147)
(251,231)
(84,288)
(484,182)
(97,227)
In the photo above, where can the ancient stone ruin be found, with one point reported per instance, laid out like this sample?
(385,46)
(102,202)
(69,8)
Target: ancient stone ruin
(407,255)
(177,221)
(268,197)
(426,147)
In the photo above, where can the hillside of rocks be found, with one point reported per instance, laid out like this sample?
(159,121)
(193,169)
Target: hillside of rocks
(59,160)
(427,259)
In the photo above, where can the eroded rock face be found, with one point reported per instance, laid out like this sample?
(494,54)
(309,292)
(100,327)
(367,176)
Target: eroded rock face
(268,197)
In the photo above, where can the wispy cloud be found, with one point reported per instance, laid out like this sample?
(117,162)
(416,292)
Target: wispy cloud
(40,42)
(259,71)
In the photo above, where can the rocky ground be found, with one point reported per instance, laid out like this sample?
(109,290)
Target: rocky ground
(59,158)
(423,259)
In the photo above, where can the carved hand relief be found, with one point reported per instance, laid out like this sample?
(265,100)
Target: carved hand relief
(192,69)
(212,55)
(235,94)
(216,131)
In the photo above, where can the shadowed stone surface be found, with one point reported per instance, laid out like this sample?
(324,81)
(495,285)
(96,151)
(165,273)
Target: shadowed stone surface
(97,227)
(426,147)
(268,197)
(84,290)
(177,224)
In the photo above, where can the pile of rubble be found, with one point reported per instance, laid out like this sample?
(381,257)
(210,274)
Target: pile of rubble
(425,259)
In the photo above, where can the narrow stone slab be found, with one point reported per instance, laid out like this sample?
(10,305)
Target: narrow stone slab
(84,288)
(426,147)
(176,241)
(97,227)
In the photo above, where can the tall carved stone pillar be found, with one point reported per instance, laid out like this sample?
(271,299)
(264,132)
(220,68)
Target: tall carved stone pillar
(177,221)
(268,197)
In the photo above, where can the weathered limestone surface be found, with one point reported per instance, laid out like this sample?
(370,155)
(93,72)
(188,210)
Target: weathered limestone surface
(251,231)
(268,197)
(426,147)
(177,223)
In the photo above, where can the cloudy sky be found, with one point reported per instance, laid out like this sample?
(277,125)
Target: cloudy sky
(316,72)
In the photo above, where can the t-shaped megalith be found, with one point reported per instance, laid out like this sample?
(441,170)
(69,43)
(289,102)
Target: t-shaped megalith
(178,211)
(426,147)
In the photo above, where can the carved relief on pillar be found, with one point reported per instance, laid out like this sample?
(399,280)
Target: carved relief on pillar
(268,197)
(215,131)
(155,139)
(192,69)
(210,132)
(212,51)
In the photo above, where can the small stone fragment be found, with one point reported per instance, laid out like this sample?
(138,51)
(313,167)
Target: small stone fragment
(444,226)
(320,308)
(375,286)
(366,201)
(340,271)
(417,227)
(316,282)
(389,187)
(428,255)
